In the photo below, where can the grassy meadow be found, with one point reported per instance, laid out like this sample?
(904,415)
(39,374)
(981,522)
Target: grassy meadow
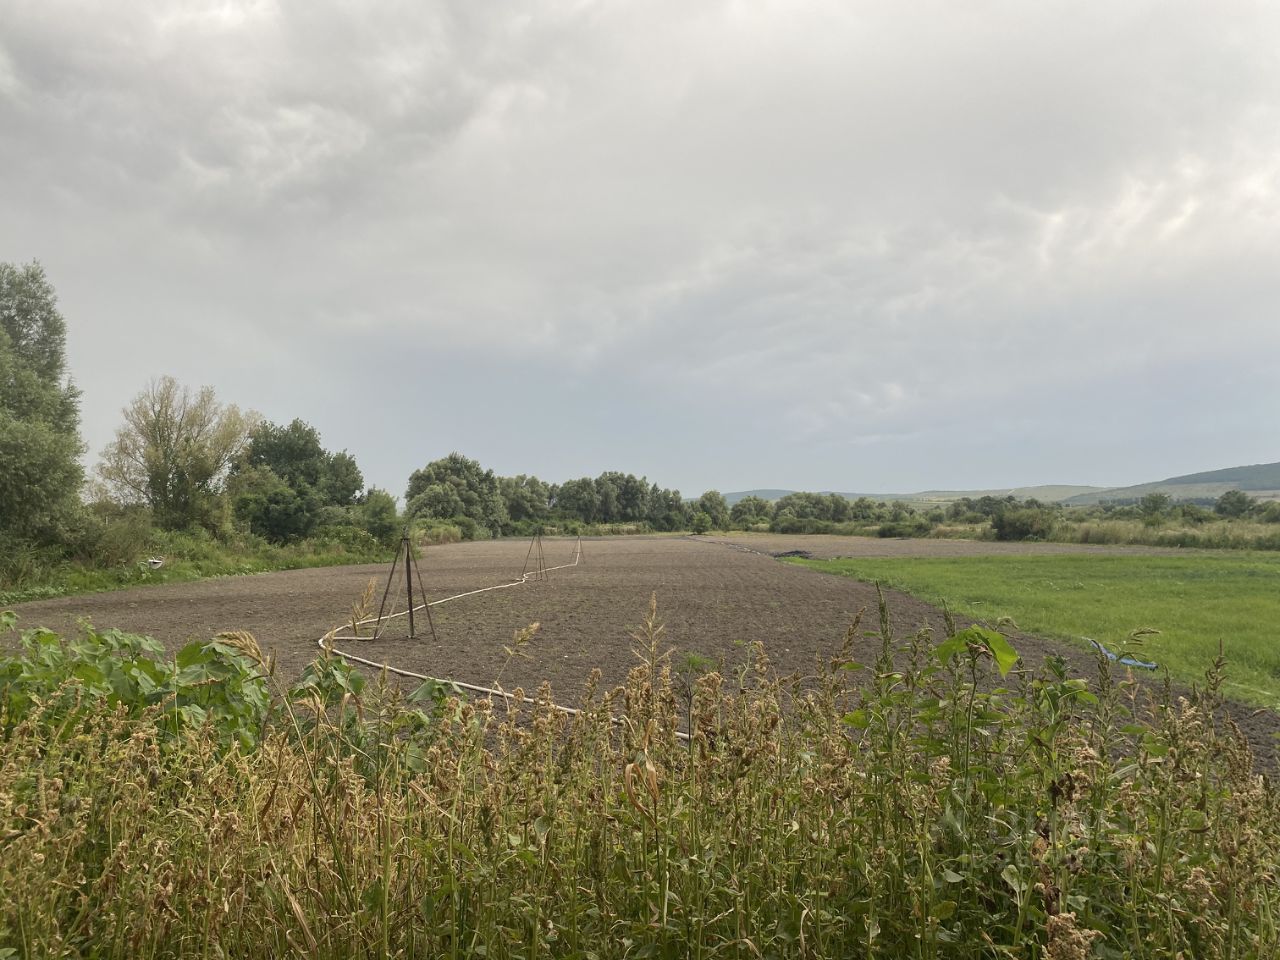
(1195,601)
(187,557)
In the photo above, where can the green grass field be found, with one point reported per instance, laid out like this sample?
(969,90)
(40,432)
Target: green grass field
(1194,601)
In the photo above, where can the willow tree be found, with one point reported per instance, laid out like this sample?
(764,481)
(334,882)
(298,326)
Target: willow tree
(174,451)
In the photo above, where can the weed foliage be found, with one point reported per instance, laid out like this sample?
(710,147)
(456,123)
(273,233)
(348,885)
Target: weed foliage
(941,801)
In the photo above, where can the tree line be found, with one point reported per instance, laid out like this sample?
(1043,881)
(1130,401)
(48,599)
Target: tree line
(458,489)
(181,462)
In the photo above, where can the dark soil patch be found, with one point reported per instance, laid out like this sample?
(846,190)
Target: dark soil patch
(824,547)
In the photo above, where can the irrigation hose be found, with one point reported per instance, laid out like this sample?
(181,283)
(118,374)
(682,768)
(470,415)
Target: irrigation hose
(326,642)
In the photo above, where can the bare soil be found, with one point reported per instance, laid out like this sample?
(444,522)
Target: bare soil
(715,596)
(824,547)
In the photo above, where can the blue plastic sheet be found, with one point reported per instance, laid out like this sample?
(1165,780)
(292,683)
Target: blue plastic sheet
(1125,660)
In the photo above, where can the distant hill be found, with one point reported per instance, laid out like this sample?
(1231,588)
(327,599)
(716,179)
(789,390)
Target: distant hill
(733,498)
(1262,480)
(1046,493)
(1051,493)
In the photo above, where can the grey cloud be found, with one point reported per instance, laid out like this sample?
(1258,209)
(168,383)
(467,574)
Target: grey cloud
(828,228)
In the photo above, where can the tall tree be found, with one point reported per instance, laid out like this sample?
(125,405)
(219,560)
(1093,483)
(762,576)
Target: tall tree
(667,509)
(633,497)
(40,472)
(342,482)
(623,497)
(270,506)
(1233,503)
(293,453)
(1155,507)
(286,479)
(751,510)
(174,451)
(713,504)
(526,497)
(579,499)
(380,517)
(607,498)
(455,486)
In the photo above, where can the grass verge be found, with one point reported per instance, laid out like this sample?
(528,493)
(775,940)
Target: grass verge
(1195,602)
(185,559)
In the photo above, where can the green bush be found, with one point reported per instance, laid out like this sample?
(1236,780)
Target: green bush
(789,523)
(909,526)
(123,539)
(378,514)
(1234,503)
(1026,523)
(437,531)
(350,539)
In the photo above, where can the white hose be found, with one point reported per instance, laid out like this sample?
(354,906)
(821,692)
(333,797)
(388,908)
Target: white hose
(326,642)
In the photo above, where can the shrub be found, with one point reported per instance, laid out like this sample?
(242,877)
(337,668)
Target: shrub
(350,539)
(1269,512)
(909,526)
(789,523)
(124,539)
(1025,523)
(436,531)
(378,513)
(1233,503)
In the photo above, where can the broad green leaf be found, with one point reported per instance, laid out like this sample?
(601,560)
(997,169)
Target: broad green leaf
(88,673)
(1002,650)
(193,714)
(857,718)
(191,676)
(979,636)
(1011,876)
(192,653)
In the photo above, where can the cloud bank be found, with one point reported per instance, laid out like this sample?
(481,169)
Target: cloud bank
(818,245)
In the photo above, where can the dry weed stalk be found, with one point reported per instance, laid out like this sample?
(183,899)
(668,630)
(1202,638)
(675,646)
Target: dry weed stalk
(246,643)
(362,608)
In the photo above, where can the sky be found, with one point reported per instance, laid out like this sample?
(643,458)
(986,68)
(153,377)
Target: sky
(857,246)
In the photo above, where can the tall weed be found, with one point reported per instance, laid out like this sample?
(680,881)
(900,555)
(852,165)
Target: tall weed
(940,801)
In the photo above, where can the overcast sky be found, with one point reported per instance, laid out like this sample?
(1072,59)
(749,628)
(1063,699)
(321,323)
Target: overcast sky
(817,245)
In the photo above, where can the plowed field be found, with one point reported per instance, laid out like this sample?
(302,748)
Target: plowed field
(714,599)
